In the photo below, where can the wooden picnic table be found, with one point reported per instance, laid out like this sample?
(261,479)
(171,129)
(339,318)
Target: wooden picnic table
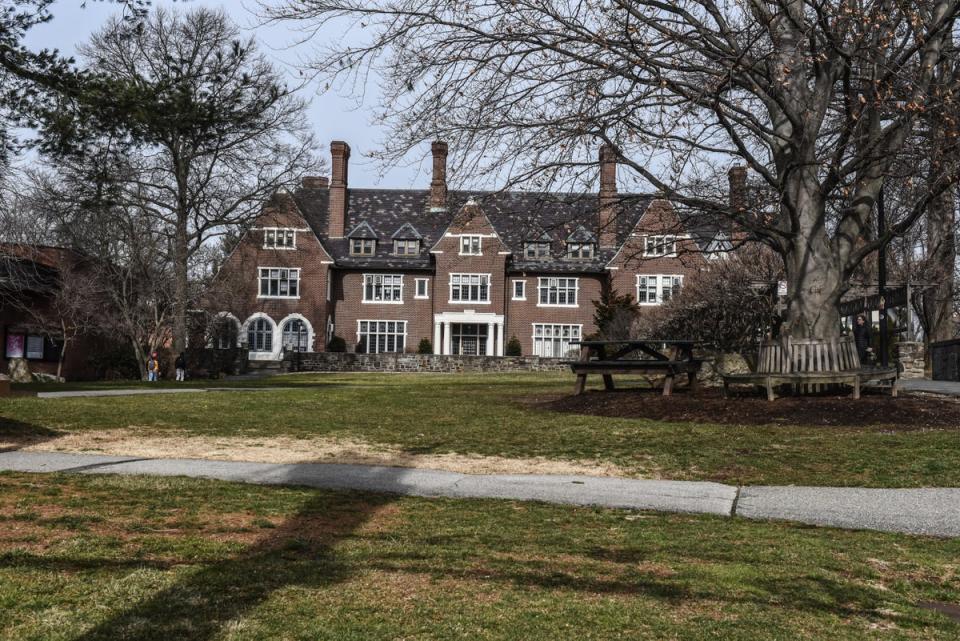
(610,357)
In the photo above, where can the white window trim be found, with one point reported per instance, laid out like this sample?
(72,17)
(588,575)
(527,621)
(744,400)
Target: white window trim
(276,229)
(384,320)
(533,334)
(513,289)
(576,281)
(268,297)
(479,245)
(489,300)
(675,242)
(659,278)
(416,288)
(363,292)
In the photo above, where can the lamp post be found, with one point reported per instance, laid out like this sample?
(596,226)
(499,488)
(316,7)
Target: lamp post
(882,279)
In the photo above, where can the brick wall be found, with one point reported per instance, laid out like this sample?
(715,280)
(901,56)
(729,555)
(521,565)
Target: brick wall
(349,307)
(522,314)
(659,219)
(236,288)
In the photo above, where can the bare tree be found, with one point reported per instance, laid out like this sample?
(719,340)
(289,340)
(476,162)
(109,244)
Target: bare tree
(816,98)
(218,133)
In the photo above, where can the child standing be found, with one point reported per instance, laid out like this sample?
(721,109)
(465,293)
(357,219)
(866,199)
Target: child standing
(153,368)
(181,365)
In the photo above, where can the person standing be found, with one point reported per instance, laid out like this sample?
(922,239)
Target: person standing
(181,365)
(153,368)
(861,338)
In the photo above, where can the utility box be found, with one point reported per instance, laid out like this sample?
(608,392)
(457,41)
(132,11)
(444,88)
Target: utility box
(945,359)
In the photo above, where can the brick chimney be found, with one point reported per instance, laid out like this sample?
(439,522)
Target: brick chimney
(438,185)
(314,182)
(609,200)
(737,177)
(340,156)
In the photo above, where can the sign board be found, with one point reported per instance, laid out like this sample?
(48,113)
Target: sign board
(15,345)
(35,347)
(782,288)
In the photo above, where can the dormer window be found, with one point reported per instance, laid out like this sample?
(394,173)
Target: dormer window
(469,245)
(279,238)
(580,251)
(406,247)
(536,250)
(363,247)
(660,246)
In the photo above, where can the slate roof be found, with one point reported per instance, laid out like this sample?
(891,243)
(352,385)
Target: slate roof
(518,217)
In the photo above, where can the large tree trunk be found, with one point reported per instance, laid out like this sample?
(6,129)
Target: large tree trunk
(181,287)
(815,280)
(938,299)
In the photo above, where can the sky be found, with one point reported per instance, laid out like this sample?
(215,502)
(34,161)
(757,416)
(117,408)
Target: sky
(334,117)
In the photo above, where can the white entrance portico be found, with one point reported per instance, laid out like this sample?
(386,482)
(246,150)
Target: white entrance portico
(468,333)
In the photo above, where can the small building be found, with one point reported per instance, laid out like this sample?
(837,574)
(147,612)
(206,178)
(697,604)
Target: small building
(31,323)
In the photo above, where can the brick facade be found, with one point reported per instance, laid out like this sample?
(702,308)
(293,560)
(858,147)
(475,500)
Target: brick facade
(332,221)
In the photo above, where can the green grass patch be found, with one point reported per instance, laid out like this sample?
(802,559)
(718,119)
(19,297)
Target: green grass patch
(492,415)
(172,559)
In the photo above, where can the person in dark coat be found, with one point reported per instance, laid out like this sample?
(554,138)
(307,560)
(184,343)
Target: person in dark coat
(181,365)
(861,337)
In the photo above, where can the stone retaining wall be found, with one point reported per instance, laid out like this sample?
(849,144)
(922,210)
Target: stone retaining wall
(347,362)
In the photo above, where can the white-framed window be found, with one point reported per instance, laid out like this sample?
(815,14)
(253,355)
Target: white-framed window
(558,292)
(422,288)
(519,290)
(406,247)
(656,289)
(554,341)
(379,336)
(295,336)
(470,246)
(383,288)
(580,251)
(279,282)
(536,251)
(279,238)
(362,246)
(260,335)
(469,288)
(660,246)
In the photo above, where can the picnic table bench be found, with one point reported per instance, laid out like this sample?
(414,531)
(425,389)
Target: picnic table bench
(811,363)
(607,358)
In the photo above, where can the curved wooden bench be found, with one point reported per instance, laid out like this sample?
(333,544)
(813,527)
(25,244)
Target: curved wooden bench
(805,363)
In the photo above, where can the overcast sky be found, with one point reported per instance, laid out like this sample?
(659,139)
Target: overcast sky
(333,117)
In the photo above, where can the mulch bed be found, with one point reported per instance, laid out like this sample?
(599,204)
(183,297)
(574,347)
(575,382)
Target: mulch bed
(709,406)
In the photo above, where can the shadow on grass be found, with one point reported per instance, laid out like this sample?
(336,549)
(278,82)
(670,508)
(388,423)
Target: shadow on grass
(16,435)
(299,552)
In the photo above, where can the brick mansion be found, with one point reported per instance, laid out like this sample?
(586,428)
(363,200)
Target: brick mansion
(384,269)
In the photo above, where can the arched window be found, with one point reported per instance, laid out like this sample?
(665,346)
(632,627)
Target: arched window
(225,333)
(295,335)
(260,335)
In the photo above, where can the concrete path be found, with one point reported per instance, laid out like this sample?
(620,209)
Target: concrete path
(140,391)
(916,511)
(948,388)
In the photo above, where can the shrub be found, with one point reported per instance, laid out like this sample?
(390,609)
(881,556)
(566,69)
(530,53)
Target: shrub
(336,344)
(425,347)
(513,347)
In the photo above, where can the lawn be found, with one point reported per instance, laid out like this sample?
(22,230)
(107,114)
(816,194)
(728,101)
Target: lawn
(498,415)
(86,558)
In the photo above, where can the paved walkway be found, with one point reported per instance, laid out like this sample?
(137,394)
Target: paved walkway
(915,511)
(140,391)
(948,388)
